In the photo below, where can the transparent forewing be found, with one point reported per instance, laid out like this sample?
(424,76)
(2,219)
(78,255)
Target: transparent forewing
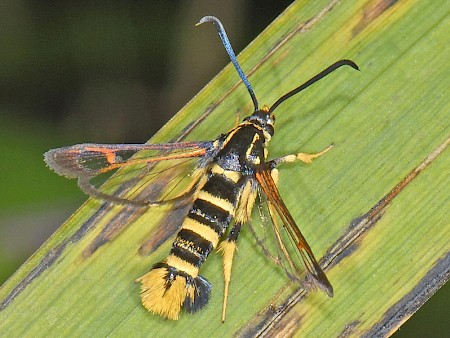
(295,253)
(149,173)
(265,229)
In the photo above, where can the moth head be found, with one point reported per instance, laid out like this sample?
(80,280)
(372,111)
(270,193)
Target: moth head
(264,118)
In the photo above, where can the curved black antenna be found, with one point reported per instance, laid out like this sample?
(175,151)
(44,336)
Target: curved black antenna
(313,80)
(229,49)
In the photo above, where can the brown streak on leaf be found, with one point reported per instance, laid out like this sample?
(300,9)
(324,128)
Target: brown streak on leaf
(286,327)
(311,22)
(371,11)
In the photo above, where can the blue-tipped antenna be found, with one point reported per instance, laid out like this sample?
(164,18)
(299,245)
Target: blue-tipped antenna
(229,49)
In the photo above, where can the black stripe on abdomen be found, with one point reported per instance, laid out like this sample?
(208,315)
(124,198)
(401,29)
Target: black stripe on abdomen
(191,247)
(210,215)
(221,187)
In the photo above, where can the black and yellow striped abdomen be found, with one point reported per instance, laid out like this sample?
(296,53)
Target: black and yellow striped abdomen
(205,223)
(224,194)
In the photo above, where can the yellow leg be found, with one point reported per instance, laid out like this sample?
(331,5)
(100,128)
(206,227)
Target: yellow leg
(306,158)
(228,247)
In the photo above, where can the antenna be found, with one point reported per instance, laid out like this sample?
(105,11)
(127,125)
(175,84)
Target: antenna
(313,80)
(229,49)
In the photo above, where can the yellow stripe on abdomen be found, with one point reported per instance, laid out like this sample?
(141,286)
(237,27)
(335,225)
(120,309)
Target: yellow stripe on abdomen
(217,201)
(182,265)
(202,230)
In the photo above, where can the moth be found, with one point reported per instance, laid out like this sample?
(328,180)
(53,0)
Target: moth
(231,172)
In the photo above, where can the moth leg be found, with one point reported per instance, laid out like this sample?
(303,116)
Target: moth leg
(304,157)
(227,247)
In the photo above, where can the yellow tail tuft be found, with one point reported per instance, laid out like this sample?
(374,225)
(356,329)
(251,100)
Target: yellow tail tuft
(165,290)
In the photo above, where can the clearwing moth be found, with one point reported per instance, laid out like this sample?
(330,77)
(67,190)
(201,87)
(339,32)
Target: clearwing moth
(230,173)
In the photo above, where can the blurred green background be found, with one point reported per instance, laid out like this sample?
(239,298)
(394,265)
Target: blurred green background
(108,72)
